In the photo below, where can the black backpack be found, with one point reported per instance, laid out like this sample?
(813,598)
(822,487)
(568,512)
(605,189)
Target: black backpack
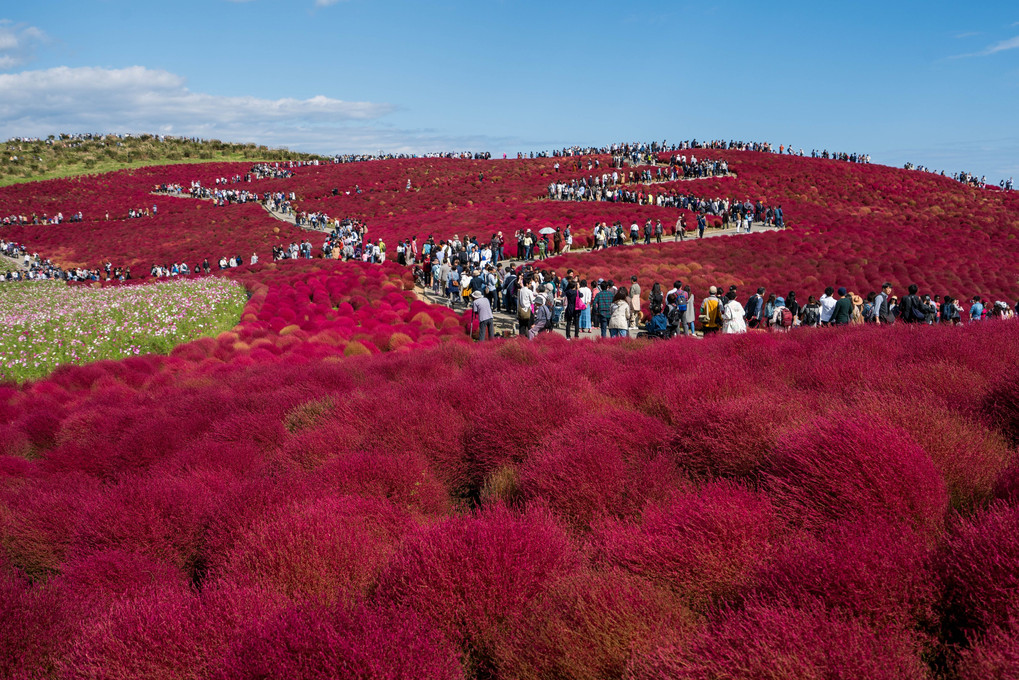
(811,315)
(655,303)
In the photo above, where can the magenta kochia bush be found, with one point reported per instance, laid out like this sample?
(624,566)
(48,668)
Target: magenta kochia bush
(105,576)
(840,468)
(978,570)
(470,576)
(315,642)
(768,641)
(703,545)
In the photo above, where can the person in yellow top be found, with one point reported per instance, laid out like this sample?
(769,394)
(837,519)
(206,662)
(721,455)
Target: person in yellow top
(711,312)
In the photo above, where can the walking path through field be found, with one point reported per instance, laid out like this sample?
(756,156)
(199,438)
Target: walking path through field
(8,264)
(506,323)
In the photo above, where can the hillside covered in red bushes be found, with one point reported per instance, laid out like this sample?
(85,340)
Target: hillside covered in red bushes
(344,486)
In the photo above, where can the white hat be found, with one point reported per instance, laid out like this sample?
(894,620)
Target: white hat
(476,294)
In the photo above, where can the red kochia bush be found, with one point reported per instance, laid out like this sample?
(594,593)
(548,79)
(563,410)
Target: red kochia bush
(471,575)
(328,550)
(778,642)
(840,468)
(1002,404)
(978,567)
(879,571)
(28,625)
(160,635)
(605,464)
(994,656)
(105,576)
(704,545)
(587,625)
(327,643)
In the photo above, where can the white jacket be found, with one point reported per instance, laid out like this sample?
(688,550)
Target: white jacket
(732,317)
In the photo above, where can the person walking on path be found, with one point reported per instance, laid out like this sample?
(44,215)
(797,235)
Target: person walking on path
(482,309)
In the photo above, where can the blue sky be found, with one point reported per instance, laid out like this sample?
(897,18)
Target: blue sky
(935,83)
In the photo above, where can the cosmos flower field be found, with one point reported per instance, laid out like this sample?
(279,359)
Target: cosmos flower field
(46,324)
(343,485)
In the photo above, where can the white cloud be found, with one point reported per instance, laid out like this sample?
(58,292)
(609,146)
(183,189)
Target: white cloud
(1003,46)
(326,3)
(142,100)
(18,43)
(1010,44)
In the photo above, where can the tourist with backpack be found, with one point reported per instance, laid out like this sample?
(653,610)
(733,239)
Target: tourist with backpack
(711,312)
(911,309)
(793,306)
(782,317)
(656,300)
(755,308)
(542,317)
(811,314)
(673,316)
(868,311)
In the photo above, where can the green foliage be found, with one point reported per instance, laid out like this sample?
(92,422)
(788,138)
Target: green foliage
(66,156)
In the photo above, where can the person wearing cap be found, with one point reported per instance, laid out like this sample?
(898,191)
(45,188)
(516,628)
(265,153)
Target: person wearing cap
(843,309)
(778,316)
(542,317)
(482,309)
(711,312)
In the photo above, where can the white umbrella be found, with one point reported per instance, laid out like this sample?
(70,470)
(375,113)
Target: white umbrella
(547,230)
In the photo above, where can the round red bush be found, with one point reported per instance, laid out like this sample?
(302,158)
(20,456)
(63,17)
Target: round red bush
(842,468)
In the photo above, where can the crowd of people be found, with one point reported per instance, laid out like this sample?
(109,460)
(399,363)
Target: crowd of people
(964,177)
(841,307)
(606,185)
(540,301)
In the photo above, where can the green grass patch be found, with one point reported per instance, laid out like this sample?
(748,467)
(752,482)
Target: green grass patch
(64,157)
(46,324)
